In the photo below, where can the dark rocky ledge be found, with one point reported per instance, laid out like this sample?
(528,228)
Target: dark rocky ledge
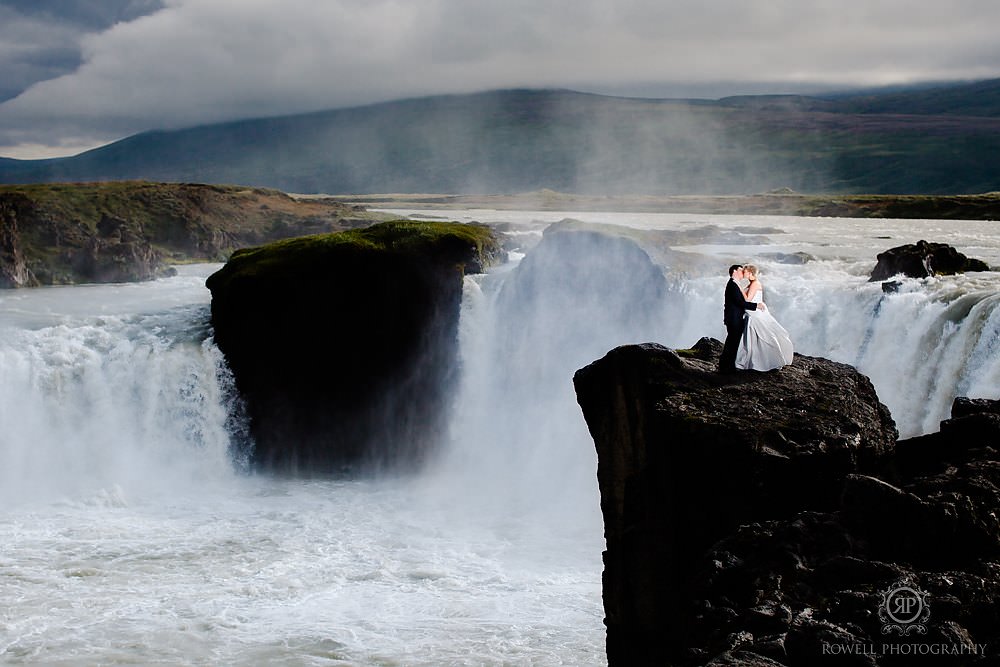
(759,519)
(344,346)
(921,260)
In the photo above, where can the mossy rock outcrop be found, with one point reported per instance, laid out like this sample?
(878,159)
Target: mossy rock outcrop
(66,233)
(344,346)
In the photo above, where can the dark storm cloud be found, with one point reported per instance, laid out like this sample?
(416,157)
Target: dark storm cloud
(40,39)
(126,67)
(88,14)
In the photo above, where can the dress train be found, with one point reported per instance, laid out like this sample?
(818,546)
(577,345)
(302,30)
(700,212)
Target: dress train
(766,344)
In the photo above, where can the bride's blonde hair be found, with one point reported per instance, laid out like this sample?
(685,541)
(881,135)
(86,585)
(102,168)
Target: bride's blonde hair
(752,269)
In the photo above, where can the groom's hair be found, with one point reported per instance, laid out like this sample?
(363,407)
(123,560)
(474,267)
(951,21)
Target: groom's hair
(733,268)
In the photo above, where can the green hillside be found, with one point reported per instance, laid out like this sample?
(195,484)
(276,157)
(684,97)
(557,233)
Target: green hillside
(973,99)
(942,140)
(124,231)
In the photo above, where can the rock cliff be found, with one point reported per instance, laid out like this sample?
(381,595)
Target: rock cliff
(761,519)
(13,268)
(344,346)
(124,231)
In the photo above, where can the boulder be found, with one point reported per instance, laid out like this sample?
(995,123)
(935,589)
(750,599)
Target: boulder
(891,286)
(686,456)
(923,259)
(789,257)
(765,518)
(964,406)
(344,346)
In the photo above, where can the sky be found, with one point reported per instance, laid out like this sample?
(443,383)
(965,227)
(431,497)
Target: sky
(81,73)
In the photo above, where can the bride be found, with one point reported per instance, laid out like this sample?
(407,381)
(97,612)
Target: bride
(765,344)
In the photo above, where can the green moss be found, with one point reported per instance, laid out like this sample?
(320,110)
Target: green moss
(138,201)
(180,221)
(468,244)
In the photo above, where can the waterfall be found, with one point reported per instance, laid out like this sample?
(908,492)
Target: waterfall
(123,403)
(120,502)
(932,340)
(520,446)
(117,424)
(519,441)
(106,408)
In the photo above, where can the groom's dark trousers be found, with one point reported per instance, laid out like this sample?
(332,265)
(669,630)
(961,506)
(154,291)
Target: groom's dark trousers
(733,317)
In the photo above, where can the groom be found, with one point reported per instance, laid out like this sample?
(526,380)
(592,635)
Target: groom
(733,317)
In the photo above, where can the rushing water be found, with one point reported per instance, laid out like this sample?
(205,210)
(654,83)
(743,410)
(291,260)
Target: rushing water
(933,340)
(131,533)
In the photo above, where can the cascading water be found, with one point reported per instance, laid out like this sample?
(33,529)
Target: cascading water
(128,532)
(932,340)
(105,405)
(520,442)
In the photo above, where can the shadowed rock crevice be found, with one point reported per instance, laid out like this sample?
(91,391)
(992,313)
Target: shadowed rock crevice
(14,270)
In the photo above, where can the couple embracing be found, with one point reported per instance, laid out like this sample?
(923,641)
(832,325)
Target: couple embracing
(754,340)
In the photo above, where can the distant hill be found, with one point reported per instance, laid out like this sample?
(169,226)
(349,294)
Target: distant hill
(979,99)
(972,99)
(941,140)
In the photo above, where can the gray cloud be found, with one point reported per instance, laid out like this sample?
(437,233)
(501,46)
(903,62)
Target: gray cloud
(92,14)
(32,50)
(41,40)
(102,70)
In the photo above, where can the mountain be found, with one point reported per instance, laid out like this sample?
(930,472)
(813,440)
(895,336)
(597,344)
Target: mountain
(979,99)
(941,140)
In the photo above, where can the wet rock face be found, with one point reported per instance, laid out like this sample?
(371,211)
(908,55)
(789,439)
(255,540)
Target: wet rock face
(344,346)
(14,270)
(113,260)
(759,519)
(923,259)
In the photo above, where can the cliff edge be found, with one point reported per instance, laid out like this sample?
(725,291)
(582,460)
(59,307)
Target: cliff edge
(762,519)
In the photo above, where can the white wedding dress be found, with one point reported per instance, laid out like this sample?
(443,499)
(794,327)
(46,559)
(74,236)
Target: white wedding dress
(765,344)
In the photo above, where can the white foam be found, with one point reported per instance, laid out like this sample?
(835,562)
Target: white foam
(130,535)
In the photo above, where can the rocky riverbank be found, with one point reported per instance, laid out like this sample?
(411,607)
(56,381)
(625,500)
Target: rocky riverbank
(68,233)
(782,202)
(765,519)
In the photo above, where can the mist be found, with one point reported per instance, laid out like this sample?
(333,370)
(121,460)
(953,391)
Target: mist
(501,142)
(106,70)
(518,141)
(519,449)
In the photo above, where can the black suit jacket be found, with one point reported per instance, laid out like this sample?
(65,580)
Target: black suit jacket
(736,305)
